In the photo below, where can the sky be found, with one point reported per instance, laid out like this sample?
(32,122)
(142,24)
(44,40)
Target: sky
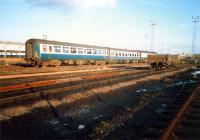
(112,23)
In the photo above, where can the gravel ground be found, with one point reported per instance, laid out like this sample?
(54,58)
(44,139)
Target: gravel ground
(102,113)
(13,69)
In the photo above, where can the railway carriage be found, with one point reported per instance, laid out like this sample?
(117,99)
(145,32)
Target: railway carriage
(45,52)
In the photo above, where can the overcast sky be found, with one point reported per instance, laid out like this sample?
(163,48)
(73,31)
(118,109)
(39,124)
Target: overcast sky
(112,23)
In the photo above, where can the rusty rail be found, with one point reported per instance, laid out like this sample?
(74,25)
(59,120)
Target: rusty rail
(172,125)
(27,85)
(91,77)
(36,94)
(112,78)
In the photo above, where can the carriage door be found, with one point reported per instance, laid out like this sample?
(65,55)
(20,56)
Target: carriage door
(29,50)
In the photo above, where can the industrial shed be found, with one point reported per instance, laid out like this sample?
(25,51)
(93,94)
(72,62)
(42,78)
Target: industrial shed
(10,49)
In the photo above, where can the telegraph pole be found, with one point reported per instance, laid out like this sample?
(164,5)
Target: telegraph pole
(153,24)
(195,21)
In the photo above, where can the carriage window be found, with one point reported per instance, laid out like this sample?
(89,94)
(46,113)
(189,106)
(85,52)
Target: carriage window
(85,51)
(44,48)
(98,51)
(115,53)
(104,52)
(80,50)
(112,53)
(73,50)
(65,49)
(94,51)
(89,51)
(57,49)
(50,48)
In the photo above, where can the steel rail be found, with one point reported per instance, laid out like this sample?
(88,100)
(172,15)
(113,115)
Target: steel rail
(172,125)
(84,83)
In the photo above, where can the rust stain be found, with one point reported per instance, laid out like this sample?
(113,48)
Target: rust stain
(26,85)
(98,76)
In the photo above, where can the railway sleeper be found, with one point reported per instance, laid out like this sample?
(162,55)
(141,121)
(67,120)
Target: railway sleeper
(38,89)
(178,103)
(195,105)
(192,116)
(151,133)
(194,110)
(174,107)
(159,124)
(187,133)
(166,117)
(190,123)
(169,111)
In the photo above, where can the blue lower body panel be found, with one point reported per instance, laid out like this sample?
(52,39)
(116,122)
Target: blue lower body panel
(124,58)
(45,56)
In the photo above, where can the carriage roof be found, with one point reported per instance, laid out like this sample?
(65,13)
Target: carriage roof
(42,41)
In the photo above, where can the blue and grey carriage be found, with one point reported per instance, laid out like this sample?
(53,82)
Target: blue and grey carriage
(47,52)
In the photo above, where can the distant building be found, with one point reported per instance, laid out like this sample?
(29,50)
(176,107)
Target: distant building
(11,49)
(182,56)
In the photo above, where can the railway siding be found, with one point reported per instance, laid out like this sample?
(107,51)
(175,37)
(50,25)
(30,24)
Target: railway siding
(34,90)
(59,112)
(189,128)
(68,85)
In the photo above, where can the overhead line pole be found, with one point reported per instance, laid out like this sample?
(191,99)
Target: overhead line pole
(153,24)
(44,37)
(195,21)
(145,42)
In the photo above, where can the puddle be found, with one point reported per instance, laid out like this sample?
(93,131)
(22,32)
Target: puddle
(196,73)
(180,83)
(98,117)
(163,105)
(141,90)
(148,90)
(84,111)
(160,110)
(81,127)
(54,122)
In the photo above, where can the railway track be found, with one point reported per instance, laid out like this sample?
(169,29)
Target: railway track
(179,119)
(20,79)
(186,123)
(21,92)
